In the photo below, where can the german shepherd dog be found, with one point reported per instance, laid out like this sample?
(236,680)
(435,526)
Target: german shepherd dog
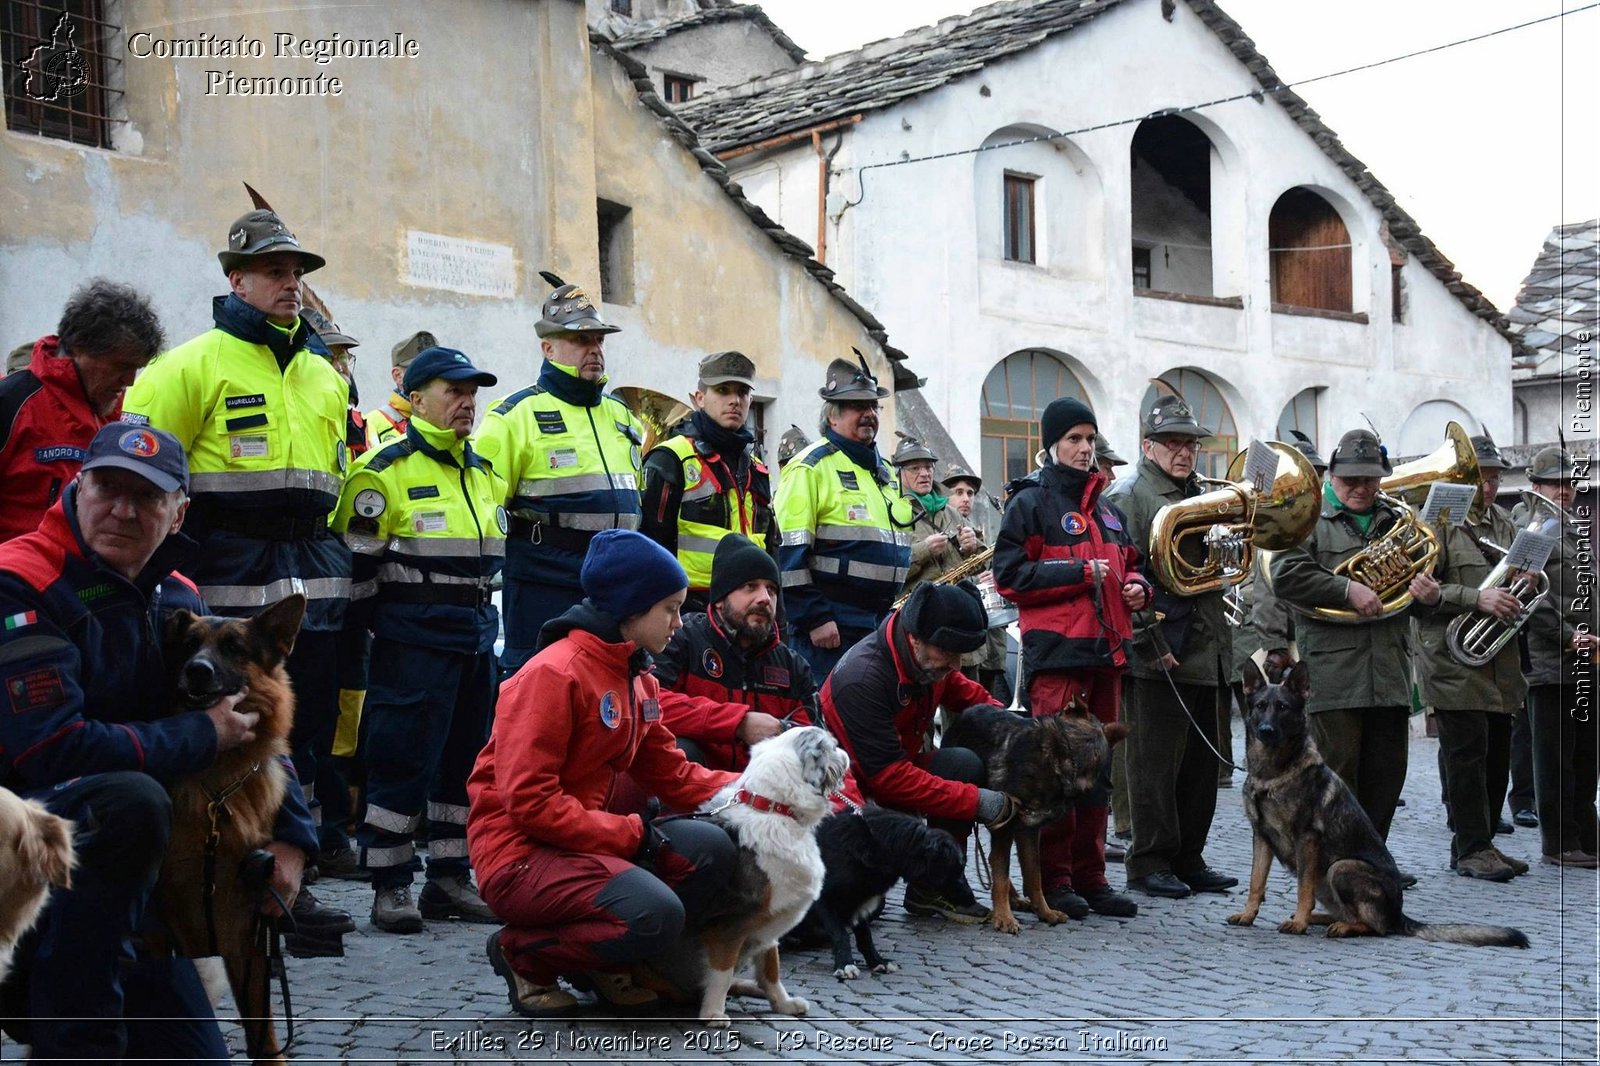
(772,812)
(36,853)
(210,658)
(1304,814)
(864,855)
(1045,764)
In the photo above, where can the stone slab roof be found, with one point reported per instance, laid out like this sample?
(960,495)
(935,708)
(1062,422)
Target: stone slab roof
(1559,299)
(880,74)
(788,243)
(647,31)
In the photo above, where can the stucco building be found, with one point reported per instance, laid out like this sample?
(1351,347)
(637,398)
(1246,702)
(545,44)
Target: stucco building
(439,156)
(1109,198)
(692,47)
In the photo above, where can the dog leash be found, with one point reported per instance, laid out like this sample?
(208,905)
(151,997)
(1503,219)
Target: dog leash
(216,812)
(1229,763)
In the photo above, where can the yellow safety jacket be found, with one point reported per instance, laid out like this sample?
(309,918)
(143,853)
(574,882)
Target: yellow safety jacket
(424,518)
(388,422)
(262,419)
(570,457)
(701,502)
(846,544)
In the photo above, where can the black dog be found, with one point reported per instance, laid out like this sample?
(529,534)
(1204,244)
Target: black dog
(1304,814)
(864,855)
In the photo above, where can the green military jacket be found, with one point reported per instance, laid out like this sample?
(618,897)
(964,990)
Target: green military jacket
(1496,687)
(1195,629)
(1352,665)
(926,565)
(1571,601)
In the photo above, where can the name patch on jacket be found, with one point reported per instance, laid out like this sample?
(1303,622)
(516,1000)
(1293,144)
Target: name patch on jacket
(550,421)
(847,479)
(35,690)
(422,492)
(651,710)
(1108,518)
(60,453)
(234,402)
(776,676)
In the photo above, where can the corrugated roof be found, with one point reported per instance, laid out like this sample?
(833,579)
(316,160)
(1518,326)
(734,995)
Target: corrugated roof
(885,72)
(1559,299)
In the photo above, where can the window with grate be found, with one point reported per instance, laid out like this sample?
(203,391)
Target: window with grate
(1015,394)
(677,89)
(1019,234)
(56,68)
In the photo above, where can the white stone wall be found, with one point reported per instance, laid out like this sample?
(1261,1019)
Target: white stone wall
(922,249)
(721,53)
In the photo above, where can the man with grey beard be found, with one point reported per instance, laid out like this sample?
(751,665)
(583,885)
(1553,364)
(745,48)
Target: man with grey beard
(727,681)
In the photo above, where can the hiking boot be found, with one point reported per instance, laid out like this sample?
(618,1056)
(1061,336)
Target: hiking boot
(394,912)
(1503,827)
(1067,902)
(528,999)
(1160,883)
(615,990)
(1517,865)
(1206,879)
(1485,865)
(1581,859)
(454,897)
(931,904)
(1110,902)
(344,865)
(314,919)
(1526,818)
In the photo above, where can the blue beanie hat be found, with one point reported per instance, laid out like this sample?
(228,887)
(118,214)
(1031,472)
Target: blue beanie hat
(626,573)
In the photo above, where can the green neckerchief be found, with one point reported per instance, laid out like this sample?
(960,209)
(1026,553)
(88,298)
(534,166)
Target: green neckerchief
(933,503)
(1363,521)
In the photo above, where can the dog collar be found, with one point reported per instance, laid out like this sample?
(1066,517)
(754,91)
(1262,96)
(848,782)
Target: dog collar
(762,803)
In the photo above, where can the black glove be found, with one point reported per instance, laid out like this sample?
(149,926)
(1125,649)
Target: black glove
(651,845)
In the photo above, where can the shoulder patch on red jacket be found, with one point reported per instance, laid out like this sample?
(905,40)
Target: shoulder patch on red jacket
(35,690)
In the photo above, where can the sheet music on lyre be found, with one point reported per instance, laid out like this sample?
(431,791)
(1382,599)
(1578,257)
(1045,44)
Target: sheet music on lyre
(1260,466)
(1530,551)
(1448,498)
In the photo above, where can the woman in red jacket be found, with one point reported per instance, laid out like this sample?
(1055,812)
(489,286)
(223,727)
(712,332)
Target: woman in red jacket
(583,889)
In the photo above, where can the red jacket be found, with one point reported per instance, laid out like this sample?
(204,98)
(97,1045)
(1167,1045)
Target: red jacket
(574,719)
(46,425)
(709,683)
(1055,522)
(880,712)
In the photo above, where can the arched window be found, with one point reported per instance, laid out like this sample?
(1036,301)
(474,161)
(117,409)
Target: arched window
(1210,410)
(1299,413)
(1423,430)
(1170,180)
(1014,396)
(1519,412)
(1310,253)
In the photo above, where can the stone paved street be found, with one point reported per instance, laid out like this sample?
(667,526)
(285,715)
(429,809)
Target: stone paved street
(1174,984)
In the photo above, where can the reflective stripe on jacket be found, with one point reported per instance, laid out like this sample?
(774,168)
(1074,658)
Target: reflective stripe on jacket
(264,442)
(693,500)
(569,468)
(846,540)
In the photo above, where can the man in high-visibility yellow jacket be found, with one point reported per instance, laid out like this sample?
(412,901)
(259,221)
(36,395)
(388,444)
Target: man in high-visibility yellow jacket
(424,517)
(570,455)
(707,481)
(388,422)
(262,418)
(846,544)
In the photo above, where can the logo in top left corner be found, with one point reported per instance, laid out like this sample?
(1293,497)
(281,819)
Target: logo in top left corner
(57,71)
(139,442)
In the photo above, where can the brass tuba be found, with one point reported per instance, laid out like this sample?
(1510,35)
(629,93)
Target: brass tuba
(1475,639)
(657,411)
(1410,547)
(1232,522)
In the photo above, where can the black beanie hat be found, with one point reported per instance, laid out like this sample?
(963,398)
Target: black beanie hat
(948,616)
(1061,415)
(739,560)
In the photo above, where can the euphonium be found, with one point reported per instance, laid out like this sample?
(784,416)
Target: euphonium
(1410,547)
(1475,639)
(656,411)
(1231,523)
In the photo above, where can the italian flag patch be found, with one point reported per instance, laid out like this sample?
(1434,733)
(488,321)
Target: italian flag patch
(17,621)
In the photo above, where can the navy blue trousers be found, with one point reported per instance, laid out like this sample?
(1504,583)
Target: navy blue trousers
(427,717)
(525,607)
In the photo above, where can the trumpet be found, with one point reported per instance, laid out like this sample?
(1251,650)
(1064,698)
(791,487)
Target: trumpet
(1229,524)
(1475,639)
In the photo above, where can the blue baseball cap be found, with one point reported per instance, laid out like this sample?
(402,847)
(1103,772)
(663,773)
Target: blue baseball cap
(153,454)
(444,363)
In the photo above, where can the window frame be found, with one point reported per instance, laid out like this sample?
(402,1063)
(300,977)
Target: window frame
(84,119)
(677,88)
(1011,225)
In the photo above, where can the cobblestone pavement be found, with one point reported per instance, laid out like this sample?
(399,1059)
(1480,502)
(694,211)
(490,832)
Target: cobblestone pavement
(1174,984)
